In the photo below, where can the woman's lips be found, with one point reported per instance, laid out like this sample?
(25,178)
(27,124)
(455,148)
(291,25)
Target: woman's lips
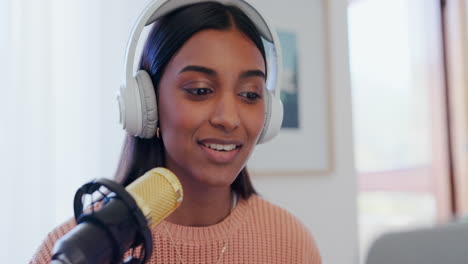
(220,151)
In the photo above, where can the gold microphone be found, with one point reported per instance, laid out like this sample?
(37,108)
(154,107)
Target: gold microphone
(124,220)
(157,193)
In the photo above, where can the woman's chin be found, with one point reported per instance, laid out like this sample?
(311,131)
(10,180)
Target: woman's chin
(216,179)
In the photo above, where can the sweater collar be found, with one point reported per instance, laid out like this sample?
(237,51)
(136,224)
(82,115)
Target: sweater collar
(219,231)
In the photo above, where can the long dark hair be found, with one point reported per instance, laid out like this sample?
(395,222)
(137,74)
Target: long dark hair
(167,36)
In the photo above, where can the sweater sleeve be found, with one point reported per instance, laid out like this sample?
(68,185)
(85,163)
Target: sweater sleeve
(43,254)
(311,254)
(288,239)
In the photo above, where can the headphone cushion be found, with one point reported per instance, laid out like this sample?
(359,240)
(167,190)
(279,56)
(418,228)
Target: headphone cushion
(273,118)
(149,108)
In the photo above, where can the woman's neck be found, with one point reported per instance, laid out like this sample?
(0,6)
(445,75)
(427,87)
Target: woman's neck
(203,206)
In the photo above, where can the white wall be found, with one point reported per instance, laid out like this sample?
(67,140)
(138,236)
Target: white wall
(49,116)
(327,203)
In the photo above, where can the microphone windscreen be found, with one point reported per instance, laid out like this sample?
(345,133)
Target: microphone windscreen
(157,193)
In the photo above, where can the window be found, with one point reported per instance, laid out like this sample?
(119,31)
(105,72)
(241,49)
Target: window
(399,109)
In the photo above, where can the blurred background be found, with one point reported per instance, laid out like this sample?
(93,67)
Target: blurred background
(397,113)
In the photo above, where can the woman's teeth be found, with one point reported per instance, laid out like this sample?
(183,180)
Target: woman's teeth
(220,147)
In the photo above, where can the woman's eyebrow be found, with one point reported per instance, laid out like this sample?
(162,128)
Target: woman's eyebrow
(252,73)
(201,69)
(211,72)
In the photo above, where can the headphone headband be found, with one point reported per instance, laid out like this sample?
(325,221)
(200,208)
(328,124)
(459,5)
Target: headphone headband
(157,9)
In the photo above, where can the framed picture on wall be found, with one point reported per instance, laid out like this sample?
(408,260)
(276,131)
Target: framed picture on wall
(304,143)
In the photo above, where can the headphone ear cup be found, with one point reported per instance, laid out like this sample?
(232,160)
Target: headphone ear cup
(149,108)
(273,118)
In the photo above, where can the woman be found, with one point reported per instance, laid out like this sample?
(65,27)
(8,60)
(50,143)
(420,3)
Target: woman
(207,64)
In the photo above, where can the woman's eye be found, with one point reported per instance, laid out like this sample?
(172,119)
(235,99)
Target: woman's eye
(250,96)
(199,91)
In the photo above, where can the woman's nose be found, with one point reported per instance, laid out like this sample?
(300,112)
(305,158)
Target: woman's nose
(225,114)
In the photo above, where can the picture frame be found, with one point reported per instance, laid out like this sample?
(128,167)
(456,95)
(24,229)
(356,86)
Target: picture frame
(304,144)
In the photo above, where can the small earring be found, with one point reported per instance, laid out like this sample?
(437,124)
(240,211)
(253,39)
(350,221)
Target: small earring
(157,132)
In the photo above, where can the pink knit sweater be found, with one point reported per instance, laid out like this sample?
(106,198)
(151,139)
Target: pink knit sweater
(256,231)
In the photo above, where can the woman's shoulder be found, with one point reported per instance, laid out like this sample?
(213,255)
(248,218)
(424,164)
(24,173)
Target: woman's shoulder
(271,217)
(276,215)
(44,252)
(273,222)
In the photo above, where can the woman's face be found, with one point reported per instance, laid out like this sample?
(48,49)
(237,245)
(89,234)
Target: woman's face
(211,106)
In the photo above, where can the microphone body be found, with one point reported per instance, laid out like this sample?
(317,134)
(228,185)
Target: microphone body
(95,239)
(104,235)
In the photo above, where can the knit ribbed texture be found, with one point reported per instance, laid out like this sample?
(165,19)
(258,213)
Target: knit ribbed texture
(256,232)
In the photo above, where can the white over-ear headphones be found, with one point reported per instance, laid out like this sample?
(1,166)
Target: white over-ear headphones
(137,99)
